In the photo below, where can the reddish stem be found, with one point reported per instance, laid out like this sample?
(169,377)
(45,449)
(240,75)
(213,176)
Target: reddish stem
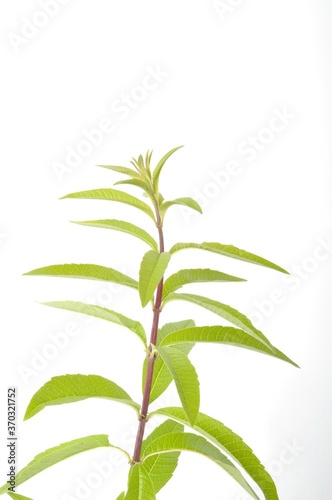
(151,356)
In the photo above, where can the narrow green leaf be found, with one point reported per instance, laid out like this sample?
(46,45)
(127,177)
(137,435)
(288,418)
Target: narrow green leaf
(228,441)
(161,467)
(134,182)
(163,429)
(148,162)
(173,327)
(159,167)
(140,162)
(185,441)
(138,167)
(229,251)
(186,276)
(112,195)
(151,271)
(185,378)
(71,388)
(162,377)
(55,455)
(85,271)
(229,313)
(16,496)
(188,202)
(122,496)
(122,170)
(101,313)
(223,335)
(140,486)
(123,226)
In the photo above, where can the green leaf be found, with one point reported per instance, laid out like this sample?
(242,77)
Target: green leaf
(85,271)
(173,327)
(125,227)
(71,388)
(112,195)
(186,276)
(229,251)
(101,313)
(16,496)
(228,441)
(55,455)
(151,272)
(122,496)
(185,378)
(133,182)
(229,313)
(161,163)
(161,375)
(223,335)
(188,202)
(185,441)
(122,170)
(161,467)
(140,486)
(148,162)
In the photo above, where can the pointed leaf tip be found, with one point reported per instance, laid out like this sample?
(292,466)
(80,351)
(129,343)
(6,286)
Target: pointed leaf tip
(229,251)
(65,389)
(110,194)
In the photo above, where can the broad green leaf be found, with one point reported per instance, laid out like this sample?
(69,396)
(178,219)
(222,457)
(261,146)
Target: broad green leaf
(185,378)
(140,486)
(71,388)
(112,195)
(85,271)
(161,467)
(229,313)
(188,202)
(162,377)
(101,313)
(125,227)
(229,251)
(223,335)
(228,441)
(151,272)
(123,170)
(186,441)
(55,455)
(16,496)
(186,276)
(160,164)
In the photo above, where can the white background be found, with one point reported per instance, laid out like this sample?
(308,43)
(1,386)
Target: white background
(223,76)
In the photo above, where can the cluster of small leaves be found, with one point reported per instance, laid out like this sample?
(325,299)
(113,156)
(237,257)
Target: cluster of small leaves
(160,451)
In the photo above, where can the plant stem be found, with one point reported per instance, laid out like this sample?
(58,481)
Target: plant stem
(151,355)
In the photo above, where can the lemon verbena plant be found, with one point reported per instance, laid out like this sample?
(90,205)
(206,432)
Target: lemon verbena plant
(185,429)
